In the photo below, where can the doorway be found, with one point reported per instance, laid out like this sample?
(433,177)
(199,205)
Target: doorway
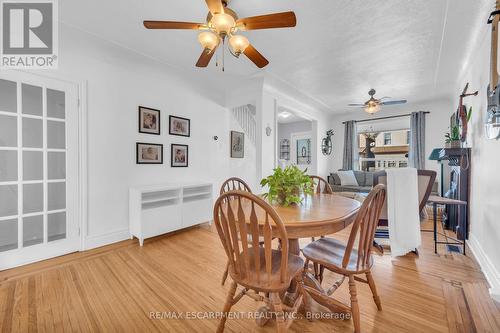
(39,156)
(295,143)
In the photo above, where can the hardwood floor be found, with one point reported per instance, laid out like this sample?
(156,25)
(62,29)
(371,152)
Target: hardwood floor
(126,288)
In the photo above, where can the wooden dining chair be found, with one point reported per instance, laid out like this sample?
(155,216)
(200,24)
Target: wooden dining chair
(348,261)
(321,185)
(262,271)
(231,184)
(234,183)
(425,182)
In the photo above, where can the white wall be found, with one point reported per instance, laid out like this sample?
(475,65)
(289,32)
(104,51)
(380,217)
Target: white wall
(437,123)
(284,95)
(286,130)
(118,82)
(485,184)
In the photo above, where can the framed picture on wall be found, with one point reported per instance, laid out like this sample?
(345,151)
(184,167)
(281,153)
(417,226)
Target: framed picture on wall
(179,126)
(179,155)
(149,153)
(149,120)
(303,151)
(237,144)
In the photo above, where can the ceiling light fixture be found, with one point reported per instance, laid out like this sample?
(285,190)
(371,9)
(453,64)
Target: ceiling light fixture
(208,40)
(285,114)
(223,24)
(238,44)
(372,107)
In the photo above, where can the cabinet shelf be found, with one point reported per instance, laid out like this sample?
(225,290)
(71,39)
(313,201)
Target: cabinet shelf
(192,195)
(158,209)
(149,201)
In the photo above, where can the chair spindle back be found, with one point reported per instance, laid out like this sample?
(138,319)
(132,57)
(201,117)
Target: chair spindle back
(366,223)
(234,184)
(321,185)
(239,214)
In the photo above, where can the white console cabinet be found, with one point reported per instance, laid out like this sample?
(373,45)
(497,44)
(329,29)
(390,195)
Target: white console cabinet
(158,209)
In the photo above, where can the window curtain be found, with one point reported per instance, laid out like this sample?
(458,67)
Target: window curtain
(350,146)
(417,140)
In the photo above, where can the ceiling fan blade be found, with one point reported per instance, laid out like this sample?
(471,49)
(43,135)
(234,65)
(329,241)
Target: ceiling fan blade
(277,20)
(254,55)
(402,101)
(215,6)
(356,105)
(172,25)
(385,97)
(205,58)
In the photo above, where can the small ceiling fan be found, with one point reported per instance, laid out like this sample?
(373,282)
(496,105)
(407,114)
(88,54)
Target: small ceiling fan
(373,104)
(223,22)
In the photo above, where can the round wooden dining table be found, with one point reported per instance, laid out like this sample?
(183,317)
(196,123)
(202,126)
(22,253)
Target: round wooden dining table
(317,215)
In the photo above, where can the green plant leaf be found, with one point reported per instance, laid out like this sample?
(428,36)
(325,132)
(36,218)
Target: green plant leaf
(285,185)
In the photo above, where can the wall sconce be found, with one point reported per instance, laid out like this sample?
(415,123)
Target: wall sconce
(492,126)
(326,143)
(268,130)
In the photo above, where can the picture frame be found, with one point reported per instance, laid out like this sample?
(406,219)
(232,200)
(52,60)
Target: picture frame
(237,144)
(149,120)
(179,155)
(149,153)
(303,151)
(179,126)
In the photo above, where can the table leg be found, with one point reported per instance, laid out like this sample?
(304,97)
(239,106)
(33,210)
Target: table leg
(291,293)
(434,205)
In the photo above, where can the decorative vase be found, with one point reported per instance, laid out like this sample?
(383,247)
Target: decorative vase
(282,196)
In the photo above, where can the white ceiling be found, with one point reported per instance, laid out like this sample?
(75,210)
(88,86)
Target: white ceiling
(411,49)
(291,116)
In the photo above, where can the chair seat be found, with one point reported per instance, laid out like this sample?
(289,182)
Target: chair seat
(329,252)
(272,283)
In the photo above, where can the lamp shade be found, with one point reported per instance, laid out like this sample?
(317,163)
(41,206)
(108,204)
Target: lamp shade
(208,40)
(435,154)
(372,107)
(238,43)
(222,23)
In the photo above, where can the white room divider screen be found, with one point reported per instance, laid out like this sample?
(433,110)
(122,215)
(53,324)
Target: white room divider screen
(38,168)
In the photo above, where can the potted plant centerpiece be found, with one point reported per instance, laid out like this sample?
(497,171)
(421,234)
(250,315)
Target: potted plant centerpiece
(453,137)
(287,185)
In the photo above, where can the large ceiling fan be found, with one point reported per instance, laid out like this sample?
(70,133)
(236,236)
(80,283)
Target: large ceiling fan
(222,23)
(373,105)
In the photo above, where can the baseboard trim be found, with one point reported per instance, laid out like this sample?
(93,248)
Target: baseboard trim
(92,242)
(489,270)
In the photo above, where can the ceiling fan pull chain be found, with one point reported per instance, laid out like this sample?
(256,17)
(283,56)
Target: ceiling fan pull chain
(223,52)
(216,58)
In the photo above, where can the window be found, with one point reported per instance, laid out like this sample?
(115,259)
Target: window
(408,137)
(387,139)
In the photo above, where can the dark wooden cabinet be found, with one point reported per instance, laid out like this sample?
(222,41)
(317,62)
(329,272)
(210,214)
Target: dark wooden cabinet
(459,160)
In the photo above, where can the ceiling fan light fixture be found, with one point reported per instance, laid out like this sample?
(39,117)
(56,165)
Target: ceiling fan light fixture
(208,40)
(222,23)
(238,44)
(372,107)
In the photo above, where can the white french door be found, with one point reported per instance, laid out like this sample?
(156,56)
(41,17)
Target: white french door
(38,168)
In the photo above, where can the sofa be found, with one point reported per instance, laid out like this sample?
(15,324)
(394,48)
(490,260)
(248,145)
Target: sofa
(364,179)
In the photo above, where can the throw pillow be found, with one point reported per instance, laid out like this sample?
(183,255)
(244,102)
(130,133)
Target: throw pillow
(347,178)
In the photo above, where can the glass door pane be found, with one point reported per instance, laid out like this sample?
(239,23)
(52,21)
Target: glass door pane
(37,171)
